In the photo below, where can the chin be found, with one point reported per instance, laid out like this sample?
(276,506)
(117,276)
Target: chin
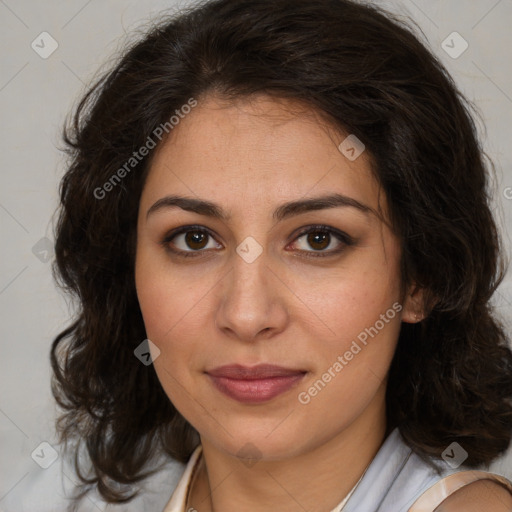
(261,441)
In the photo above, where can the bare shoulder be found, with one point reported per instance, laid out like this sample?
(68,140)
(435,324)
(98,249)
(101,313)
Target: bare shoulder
(479,496)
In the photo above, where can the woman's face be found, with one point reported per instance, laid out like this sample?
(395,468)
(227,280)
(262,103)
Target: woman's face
(233,278)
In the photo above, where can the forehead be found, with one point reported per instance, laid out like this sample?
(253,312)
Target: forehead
(264,147)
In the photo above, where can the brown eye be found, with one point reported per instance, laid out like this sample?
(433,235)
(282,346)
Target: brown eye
(196,239)
(190,241)
(318,240)
(322,241)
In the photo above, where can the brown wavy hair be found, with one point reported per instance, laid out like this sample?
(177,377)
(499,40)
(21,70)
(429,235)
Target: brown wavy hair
(367,71)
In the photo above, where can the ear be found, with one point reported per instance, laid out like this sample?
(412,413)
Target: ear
(414,305)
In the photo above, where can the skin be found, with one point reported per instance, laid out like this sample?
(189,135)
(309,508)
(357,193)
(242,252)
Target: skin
(285,308)
(480,496)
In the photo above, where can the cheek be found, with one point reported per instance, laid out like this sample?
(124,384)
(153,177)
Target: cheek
(164,309)
(351,300)
(153,299)
(166,297)
(361,307)
(175,309)
(353,368)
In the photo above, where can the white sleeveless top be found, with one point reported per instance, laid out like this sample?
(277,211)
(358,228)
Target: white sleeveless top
(396,480)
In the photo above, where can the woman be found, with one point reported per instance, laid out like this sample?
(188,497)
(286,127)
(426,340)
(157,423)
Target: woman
(283,206)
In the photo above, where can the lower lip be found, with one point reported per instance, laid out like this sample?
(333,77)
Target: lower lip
(255,391)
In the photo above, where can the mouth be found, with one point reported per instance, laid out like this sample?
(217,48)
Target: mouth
(255,384)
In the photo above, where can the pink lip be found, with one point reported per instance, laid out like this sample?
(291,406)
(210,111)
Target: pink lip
(254,384)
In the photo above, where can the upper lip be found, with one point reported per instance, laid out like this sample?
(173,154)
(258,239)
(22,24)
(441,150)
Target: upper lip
(261,371)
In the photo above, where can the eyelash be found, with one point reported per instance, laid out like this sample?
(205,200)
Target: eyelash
(342,237)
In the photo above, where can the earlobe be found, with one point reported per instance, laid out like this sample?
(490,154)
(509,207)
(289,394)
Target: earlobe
(414,305)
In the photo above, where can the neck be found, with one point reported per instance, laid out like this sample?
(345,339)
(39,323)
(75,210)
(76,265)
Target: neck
(317,479)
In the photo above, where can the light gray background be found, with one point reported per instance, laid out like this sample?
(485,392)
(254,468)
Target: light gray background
(35,96)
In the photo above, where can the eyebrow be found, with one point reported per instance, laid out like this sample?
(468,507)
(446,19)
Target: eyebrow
(286,210)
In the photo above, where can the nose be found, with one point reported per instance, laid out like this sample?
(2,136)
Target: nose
(252,302)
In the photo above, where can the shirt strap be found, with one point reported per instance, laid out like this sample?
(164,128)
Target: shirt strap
(435,495)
